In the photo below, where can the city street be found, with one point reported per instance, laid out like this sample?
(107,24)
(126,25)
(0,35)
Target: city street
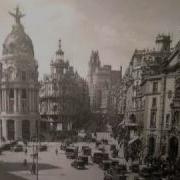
(51,166)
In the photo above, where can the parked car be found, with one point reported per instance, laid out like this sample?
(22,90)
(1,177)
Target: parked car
(78,164)
(84,159)
(17,148)
(71,152)
(114,162)
(97,157)
(43,148)
(115,174)
(86,150)
(105,164)
(6,147)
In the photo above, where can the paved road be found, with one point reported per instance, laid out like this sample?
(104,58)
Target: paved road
(52,166)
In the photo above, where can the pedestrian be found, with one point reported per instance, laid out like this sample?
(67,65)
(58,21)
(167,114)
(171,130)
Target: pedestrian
(25,162)
(56,151)
(33,168)
(25,151)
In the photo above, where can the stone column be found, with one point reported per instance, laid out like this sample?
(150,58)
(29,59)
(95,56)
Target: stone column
(15,100)
(18,128)
(4,128)
(2,102)
(32,100)
(19,100)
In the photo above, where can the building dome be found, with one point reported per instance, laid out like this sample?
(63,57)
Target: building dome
(18,42)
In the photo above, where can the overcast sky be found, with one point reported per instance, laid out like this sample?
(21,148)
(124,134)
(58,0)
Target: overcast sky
(114,27)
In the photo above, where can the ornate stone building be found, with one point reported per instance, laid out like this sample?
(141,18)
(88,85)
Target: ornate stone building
(19,86)
(102,83)
(64,98)
(150,85)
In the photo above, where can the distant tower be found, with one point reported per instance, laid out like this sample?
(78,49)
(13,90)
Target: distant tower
(94,65)
(163,42)
(58,64)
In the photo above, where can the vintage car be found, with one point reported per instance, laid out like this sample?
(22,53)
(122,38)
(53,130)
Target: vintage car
(78,164)
(84,159)
(116,173)
(114,162)
(6,147)
(17,148)
(71,152)
(105,164)
(43,148)
(105,156)
(97,157)
(86,150)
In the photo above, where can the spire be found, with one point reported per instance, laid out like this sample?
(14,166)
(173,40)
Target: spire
(59,51)
(59,43)
(17,15)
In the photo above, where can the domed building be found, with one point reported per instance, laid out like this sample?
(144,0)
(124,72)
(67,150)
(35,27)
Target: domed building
(19,85)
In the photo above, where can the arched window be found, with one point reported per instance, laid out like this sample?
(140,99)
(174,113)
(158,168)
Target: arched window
(10,130)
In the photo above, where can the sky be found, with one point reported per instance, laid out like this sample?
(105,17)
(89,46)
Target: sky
(113,27)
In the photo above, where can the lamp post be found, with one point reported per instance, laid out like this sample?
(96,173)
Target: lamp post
(37,150)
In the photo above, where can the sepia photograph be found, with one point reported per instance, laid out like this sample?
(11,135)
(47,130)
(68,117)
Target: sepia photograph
(89,90)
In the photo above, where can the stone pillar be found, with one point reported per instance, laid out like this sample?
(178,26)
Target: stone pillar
(18,129)
(4,128)
(19,100)
(5,100)
(2,102)
(15,100)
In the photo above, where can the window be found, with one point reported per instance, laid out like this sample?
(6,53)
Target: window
(23,75)
(167,120)
(11,100)
(23,106)
(23,95)
(153,119)
(11,93)
(154,103)
(155,87)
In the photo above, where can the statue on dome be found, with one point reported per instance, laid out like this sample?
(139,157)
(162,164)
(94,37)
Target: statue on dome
(17,15)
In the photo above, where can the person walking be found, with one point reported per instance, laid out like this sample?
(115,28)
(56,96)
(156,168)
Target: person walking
(25,162)
(33,168)
(56,151)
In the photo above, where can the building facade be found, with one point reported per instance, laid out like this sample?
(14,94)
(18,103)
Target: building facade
(149,101)
(102,83)
(64,98)
(19,87)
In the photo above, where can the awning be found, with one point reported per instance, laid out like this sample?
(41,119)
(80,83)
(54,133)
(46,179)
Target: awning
(133,140)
